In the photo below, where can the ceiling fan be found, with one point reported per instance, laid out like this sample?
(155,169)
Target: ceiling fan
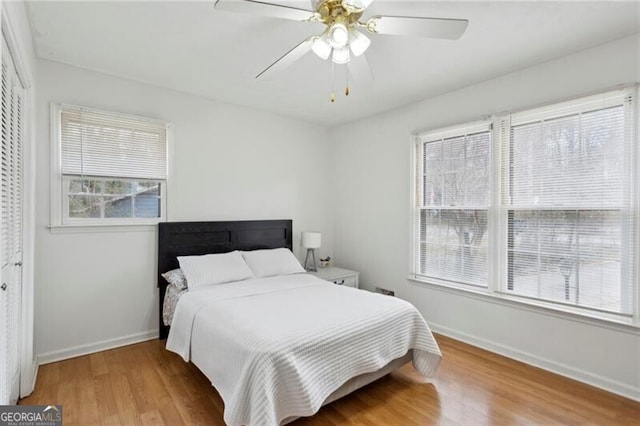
(343,41)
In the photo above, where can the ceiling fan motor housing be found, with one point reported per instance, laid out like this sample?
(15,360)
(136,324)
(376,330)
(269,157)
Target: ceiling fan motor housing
(332,11)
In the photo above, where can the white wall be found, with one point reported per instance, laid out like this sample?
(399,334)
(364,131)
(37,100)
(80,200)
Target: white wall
(98,289)
(18,29)
(372,223)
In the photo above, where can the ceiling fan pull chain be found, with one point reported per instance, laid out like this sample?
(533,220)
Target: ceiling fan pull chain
(333,82)
(346,84)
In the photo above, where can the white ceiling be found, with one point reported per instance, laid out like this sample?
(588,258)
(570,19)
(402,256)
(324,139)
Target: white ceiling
(191,47)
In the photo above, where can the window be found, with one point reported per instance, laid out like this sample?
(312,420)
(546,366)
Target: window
(552,219)
(452,204)
(110,168)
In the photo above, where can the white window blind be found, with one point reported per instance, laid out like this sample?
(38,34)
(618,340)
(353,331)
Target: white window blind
(112,145)
(452,198)
(554,222)
(111,168)
(568,174)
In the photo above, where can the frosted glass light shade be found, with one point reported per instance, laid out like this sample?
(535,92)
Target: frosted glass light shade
(338,35)
(321,47)
(311,240)
(341,56)
(358,42)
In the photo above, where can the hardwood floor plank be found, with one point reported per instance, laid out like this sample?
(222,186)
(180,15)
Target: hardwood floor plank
(98,364)
(144,384)
(70,393)
(170,414)
(151,418)
(88,411)
(111,420)
(105,395)
(127,409)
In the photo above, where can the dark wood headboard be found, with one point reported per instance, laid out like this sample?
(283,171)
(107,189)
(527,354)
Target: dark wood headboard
(198,238)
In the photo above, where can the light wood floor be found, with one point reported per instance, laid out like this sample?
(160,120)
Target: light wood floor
(145,384)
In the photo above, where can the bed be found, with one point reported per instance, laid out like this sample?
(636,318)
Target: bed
(277,348)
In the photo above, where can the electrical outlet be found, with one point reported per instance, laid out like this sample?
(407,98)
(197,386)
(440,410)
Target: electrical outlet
(385,291)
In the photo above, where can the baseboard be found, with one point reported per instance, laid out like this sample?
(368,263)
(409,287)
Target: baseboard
(598,381)
(90,348)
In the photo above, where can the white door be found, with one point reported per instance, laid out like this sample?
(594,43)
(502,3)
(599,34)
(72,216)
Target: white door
(12,112)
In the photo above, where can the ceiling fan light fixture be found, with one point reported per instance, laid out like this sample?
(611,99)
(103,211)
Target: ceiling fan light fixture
(358,42)
(341,55)
(322,48)
(338,35)
(342,41)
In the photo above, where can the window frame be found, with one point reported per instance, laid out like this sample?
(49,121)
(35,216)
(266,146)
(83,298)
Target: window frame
(418,172)
(59,206)
(497,225)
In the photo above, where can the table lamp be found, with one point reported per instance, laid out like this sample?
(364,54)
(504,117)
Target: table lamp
(311,241)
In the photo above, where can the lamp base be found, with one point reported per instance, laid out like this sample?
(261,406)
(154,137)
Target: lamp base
(312,268)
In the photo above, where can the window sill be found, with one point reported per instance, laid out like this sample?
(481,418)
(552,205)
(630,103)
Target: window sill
(609,321)
(94,228)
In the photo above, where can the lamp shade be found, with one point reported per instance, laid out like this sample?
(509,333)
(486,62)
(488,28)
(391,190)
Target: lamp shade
(311,240)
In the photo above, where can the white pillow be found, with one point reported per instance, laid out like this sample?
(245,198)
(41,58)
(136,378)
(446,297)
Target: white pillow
(271,262)
(212,269)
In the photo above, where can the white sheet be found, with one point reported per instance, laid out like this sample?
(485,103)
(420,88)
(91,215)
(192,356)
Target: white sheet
(277,347)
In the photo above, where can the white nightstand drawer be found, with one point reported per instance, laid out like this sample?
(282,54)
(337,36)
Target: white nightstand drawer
(339,276)
(347,281)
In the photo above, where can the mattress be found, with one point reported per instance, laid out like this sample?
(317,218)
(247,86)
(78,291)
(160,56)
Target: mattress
(278,347)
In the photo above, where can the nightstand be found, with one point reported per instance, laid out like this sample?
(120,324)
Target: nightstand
(338,276)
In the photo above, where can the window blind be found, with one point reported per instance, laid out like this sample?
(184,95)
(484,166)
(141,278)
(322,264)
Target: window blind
(102,144)
(452,198)
(568,178)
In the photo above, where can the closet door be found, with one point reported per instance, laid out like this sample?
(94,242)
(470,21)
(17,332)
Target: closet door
(11,228)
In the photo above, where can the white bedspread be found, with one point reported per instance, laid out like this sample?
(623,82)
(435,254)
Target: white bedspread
(277,347)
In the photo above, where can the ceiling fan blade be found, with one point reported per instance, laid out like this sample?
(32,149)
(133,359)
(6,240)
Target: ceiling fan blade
(288,58)
(360,70)
(265,9)
(450,29)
